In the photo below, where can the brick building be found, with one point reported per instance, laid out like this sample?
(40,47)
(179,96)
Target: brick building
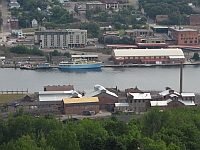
(184,36)
(147,56)
(105,96)
(170,99)
(56,97)
(79,105)
(139,32)
(138,102)
(150,42)
(14,23)
(59,88)
(194,19)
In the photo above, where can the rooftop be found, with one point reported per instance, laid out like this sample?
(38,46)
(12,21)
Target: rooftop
(139,30)
(59,88)
(98,89)
(141,95)
(179,28)
(147,52)
(80,100)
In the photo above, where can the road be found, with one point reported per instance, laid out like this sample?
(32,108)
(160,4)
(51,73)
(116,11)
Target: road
(70,7)
(6,25)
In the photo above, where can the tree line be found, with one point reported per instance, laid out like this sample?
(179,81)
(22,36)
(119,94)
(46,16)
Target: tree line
(176,10)
(21,49)
(173,129)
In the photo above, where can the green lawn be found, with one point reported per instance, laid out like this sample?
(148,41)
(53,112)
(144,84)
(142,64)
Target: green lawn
(27,30)
(121,32)
(4,98)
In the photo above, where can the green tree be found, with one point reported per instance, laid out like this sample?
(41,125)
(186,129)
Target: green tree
(196,56)
(63,140)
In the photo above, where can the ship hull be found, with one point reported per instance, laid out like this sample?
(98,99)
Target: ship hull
(80,66)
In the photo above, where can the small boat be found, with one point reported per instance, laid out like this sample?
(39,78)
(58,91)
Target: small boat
(79,64)
(43,66)
(26,66)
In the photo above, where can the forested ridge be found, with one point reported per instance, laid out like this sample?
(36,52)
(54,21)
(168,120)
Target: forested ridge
(172,129)
(177,10)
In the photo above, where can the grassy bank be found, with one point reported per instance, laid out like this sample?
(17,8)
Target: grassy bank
(5,98)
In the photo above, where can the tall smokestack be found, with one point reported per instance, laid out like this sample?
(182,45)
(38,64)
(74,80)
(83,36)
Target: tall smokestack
(181,77)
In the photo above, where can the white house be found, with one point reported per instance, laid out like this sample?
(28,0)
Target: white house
(34,23)
(14,5)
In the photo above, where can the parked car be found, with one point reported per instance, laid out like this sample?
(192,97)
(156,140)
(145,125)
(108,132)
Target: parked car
(15,104)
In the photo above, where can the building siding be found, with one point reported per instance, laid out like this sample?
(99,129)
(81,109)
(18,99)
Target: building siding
(61,38)
(106,99)
(79,109)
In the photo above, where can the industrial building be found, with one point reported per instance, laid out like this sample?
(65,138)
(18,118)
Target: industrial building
(183,36)
(138,102)
(172,99)
(147,56)
(55,97)
(80,105)
(61,38)
(105,96)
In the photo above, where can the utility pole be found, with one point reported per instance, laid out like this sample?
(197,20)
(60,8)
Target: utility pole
(181,77)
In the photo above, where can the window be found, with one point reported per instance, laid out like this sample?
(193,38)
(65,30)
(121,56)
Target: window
(185,41)
(139,101)
(131,101)
(135,101)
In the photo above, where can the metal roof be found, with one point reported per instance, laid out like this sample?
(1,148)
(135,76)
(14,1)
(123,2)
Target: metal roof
(121,104)
(187,102)
(141,95)
(122,45)
(139,30)
(80,100)
(158,103)
(57,95)
(97,90)
(187,94)
(81,56)
(179,28)
(152,44)
(163,93)
(147,52)
(165,103)
(173,57)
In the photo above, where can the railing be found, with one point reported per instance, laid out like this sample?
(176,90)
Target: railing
(14,91)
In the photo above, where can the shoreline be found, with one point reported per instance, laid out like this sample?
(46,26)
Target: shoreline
(121,66)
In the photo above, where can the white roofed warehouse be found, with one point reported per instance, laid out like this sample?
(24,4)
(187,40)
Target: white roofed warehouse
(147,56)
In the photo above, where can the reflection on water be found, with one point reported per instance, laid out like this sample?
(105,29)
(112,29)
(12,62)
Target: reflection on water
(81,70)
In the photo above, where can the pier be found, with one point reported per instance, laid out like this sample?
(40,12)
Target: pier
(14,91)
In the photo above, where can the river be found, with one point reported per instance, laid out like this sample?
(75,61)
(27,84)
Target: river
(145,78)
